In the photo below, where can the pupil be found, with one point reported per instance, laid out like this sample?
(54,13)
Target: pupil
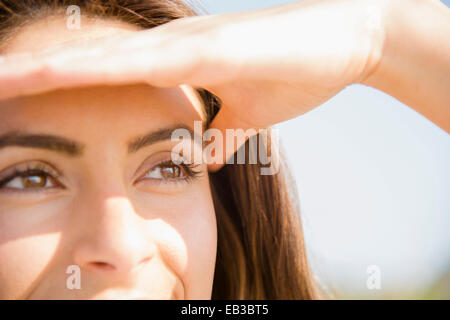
(34,181)
(171,172)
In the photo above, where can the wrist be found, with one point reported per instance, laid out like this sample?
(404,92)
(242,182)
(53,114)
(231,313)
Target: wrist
(414,64)
(377,16)
(403,31)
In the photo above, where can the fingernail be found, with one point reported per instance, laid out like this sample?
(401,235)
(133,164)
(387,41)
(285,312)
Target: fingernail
(2,59)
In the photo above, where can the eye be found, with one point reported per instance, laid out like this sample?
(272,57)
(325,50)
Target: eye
(35,178)
(168,170)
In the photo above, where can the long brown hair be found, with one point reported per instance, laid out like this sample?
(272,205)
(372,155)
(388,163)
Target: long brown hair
(261,252)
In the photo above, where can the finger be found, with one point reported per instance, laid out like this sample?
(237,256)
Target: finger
(162,57)
(31,73)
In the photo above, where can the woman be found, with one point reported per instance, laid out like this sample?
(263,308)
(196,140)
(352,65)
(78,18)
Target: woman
(135,223)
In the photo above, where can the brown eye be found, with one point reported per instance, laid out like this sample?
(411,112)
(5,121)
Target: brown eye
(170,176)
(34,181)
(171,172)
(166,171)
(30,180)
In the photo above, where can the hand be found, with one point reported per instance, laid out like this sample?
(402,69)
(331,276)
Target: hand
(266,66)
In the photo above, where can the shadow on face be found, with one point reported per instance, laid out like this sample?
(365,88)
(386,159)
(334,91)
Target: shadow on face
(87,181)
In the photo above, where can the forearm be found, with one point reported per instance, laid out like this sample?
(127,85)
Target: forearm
(415,63)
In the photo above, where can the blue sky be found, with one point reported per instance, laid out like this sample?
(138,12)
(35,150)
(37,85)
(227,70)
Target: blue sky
(373,178)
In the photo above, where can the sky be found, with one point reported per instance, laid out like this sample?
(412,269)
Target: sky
(373,179)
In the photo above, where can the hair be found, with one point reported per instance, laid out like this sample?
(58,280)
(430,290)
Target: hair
(261,252)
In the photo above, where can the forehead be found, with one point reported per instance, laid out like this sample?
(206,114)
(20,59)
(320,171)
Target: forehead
(52,31)
(121,109)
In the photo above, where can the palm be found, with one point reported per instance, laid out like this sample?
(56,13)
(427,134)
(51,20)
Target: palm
(261,104)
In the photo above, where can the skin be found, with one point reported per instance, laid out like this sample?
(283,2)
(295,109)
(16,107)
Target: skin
(276,63)
(133,232)
(301,55)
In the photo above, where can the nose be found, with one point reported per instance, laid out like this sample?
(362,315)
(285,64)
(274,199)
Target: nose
(114,240)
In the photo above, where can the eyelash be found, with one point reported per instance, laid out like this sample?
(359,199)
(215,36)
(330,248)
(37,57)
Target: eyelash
(34,170)
(189,169)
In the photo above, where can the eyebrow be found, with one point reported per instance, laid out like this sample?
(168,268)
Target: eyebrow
(156,136)
(41,141)
(75,149)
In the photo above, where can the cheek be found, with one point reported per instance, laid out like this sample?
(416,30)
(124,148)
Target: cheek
(199,232)
(23,260)
(186,236)
(29,239)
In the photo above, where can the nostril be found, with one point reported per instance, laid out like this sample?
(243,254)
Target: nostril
(102,265)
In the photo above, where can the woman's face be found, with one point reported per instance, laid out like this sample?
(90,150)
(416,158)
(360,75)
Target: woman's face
(80,188)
